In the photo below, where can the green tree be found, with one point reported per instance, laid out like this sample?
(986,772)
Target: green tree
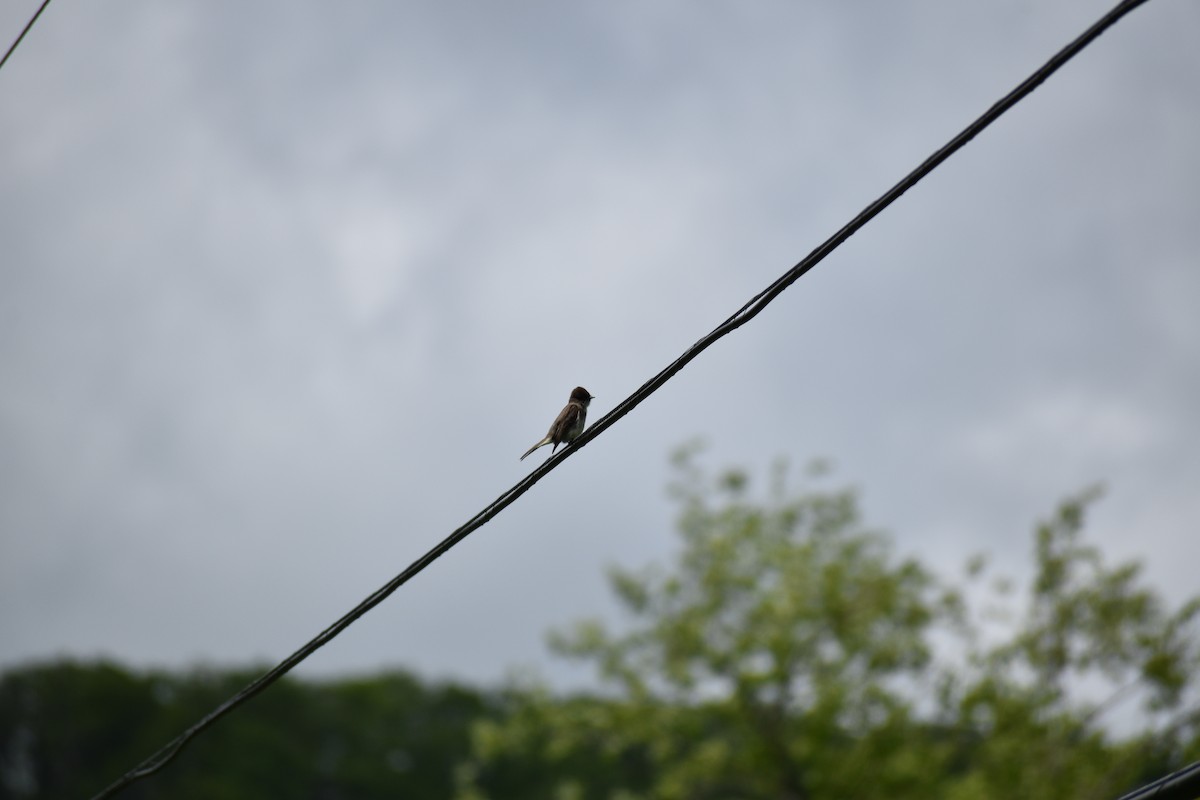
(67,730)
(62,725)
(1091,639)
(790,654)
(768,663)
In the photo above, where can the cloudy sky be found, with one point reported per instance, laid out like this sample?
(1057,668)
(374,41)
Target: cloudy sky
(286,288)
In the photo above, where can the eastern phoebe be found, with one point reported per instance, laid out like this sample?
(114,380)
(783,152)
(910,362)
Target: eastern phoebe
(569,423)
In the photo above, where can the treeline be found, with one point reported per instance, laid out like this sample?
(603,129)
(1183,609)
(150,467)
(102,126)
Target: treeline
(67,730)
(788,654)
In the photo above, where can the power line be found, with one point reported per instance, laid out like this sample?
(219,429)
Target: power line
(743,315)
(24,31)
(1183,784)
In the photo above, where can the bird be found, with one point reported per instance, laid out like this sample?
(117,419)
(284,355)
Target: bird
(569,423)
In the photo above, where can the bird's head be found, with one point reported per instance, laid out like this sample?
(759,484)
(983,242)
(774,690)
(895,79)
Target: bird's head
(581,395)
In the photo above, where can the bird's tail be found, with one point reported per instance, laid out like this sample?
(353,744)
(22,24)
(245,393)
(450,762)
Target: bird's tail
(542,443)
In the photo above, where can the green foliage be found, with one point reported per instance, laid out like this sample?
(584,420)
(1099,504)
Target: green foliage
(1085,625)
(68,730)
(788,653)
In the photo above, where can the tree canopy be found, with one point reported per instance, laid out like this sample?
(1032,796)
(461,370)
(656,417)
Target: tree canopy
(790,653)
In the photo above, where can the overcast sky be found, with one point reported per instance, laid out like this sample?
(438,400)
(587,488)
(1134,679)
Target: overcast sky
(286,289)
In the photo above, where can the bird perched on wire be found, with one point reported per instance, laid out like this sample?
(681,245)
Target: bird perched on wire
(569,423)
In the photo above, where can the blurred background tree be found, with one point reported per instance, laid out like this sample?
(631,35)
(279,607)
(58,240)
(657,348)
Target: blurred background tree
(68,730)
(1092,640)
(788,653)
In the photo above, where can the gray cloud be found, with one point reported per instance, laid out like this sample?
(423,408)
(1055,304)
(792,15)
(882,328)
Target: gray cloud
(285,291)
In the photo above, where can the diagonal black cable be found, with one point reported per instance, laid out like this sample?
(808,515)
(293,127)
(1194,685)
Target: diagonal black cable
(740,318)
(24,31)
(1183,784)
